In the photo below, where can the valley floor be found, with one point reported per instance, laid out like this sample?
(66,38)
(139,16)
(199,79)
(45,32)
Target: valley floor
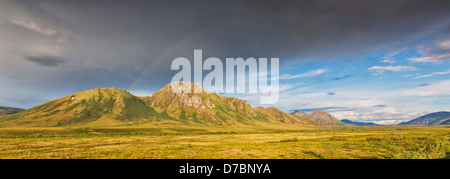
(150,143)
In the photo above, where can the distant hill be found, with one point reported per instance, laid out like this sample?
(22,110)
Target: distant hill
(9,110)
(113,107)
(320,117)
(359,123)
(437,118)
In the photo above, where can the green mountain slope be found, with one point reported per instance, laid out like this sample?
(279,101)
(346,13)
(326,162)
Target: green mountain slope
(275,113)
(113,107)
(102,104)
(9,110)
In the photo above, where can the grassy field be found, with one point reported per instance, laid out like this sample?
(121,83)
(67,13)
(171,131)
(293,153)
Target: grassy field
(331,143)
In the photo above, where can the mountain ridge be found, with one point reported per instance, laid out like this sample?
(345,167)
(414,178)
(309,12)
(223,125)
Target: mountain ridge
(320,117)
(113,106)
(436,118)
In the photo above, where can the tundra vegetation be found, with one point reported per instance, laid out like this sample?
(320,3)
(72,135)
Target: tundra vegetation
(154,142)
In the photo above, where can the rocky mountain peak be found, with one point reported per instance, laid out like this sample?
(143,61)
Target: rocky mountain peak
(320,117)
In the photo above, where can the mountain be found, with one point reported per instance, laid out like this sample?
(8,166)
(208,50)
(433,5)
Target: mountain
(437,118)
(275,113)
(110,105)
(359,123)
(9,110)
(203,108)
(214,109)
(113,107)
(320,117)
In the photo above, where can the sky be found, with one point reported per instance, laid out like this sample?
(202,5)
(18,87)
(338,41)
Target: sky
(371,61)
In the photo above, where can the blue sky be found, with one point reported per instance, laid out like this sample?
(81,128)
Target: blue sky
(387,86)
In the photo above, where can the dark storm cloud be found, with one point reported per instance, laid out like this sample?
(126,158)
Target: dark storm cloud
(129,39)
(294,30)
(46,60)
(316,30)
(291,30)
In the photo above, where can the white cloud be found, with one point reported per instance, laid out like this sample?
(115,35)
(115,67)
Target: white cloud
(433,52)
(435,73)
(357,105)
(390,55)
(436,89)
(382,69)
(431,59)
(372,103)
(388,122)
(410,75)
(388,61)
(307,74)
(285,87)
(445,44)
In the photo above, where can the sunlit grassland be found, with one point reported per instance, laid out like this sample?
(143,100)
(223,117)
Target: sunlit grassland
(203,142)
